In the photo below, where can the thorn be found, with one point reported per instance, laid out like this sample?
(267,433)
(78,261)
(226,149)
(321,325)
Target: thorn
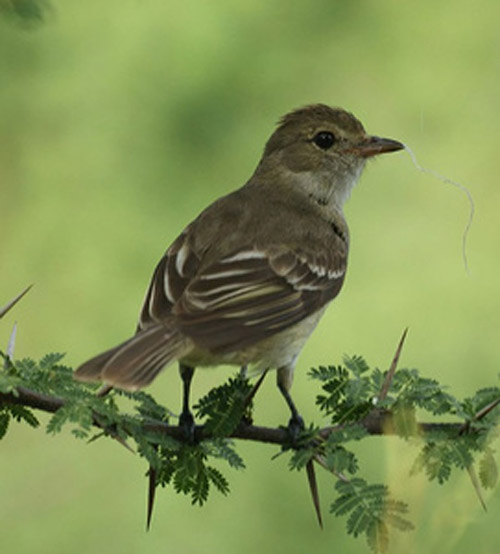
(151,496)
(244,371)
(392,370)
(487,409)
(123,442)
(109,432)
(313,487)
(103,391)
(96,436)
(277,455)
(255,388)
(483,412)
(322,462)
(9,353)
(13,302)
(475,483)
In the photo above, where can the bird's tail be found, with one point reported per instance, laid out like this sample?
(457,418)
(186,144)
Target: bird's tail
(136,362)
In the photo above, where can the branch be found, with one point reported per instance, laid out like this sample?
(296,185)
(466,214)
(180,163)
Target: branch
(378,422)
(32,399)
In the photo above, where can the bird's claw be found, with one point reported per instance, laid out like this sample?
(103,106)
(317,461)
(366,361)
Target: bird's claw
(187,426)
(295,427)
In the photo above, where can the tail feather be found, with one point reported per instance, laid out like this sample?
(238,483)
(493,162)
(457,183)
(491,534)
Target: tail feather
(136,362)
(91,370)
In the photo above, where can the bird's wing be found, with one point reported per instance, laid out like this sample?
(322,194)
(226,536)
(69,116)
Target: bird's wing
(173,273)
(255,293)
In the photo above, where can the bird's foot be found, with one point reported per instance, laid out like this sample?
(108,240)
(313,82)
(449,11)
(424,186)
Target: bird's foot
(187,426)
(294,428)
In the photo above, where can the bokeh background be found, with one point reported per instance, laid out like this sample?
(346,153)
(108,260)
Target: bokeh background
(121,120)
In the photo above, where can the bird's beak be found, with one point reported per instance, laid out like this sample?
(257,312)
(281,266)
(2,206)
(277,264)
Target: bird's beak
(372,146)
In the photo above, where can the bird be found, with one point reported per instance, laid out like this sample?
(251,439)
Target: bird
(248,280)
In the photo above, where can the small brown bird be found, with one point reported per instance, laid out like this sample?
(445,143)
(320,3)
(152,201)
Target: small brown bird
(248,280)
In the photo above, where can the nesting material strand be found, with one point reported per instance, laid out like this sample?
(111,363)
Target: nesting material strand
(459,186)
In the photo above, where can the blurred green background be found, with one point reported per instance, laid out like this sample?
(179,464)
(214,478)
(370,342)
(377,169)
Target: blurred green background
(121,120)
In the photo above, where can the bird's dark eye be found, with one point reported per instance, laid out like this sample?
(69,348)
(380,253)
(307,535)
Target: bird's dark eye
(324,139)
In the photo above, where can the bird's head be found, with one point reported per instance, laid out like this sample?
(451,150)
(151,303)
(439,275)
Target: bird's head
(325,148)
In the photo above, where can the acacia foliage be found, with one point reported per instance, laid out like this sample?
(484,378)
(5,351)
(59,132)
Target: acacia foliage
(349,395)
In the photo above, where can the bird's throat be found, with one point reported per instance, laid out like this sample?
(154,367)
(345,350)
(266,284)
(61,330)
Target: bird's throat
(329,191)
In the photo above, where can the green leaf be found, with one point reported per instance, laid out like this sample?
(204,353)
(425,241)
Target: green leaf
(460,454)
(341,460)
(225,406)
(405,420)
(146,405)
(377,536)
(78,413)
(4,423)
(351,432)
(370,511)
(186,468)
(57,421)
(9,382)
(488,470)
(50,360)
(435,461)
(359,520)
(224,449)
(28,12)
(410,389)
(218,480)
(348,393)
(21,413)
(437,458)
(300,457)
(356,364)
(79,433)
(323,373)
(200,488)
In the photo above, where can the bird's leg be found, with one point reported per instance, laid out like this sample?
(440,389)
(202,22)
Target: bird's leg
(296,423)
(284,381)
(295,426)
(186,419)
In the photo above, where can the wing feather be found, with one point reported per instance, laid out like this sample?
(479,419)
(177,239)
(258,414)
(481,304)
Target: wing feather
(171,276)
(243,297)
(252,294)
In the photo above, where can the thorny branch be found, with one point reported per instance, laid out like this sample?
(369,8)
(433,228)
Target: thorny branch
(378,422)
